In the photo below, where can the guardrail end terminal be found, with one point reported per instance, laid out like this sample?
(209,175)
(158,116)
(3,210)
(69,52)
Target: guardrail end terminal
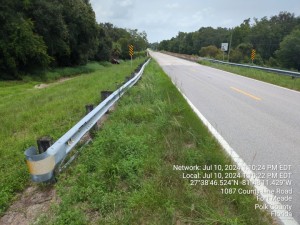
(41,166)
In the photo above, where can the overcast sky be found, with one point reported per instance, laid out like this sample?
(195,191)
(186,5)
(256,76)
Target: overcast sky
(163,19)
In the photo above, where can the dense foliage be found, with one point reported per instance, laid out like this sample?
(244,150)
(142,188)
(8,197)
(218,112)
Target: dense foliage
(276,40)
(36,34)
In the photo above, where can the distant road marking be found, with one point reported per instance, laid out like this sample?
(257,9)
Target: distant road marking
(245,93)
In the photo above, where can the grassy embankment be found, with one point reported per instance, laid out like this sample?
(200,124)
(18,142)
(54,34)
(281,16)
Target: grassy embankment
(126,176)
(27,113)
(273,78)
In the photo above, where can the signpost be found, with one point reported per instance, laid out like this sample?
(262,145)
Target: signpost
(253,52)
(130,47)
(224,48)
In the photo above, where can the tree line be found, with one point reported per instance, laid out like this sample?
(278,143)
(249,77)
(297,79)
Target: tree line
(275,39)
(37,34)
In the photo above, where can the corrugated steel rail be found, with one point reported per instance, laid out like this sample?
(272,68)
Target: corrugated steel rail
(42,166)
(283,72)
(292,74)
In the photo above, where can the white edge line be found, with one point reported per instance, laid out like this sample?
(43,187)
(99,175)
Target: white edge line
(263,191)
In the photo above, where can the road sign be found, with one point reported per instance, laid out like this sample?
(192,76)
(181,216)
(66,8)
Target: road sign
(130,47)
(253,52)
(224,47)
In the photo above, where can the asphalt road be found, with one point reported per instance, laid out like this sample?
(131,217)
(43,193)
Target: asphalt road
(260,121)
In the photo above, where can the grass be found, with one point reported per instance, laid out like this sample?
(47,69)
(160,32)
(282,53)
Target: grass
(126,175)
(273,78)
(27,113)
(53,74)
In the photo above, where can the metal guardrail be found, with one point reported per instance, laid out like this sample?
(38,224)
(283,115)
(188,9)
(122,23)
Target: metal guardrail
(42,166)
(195,59)
(283,72)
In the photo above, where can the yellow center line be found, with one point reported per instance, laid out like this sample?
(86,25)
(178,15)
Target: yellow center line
(245,93)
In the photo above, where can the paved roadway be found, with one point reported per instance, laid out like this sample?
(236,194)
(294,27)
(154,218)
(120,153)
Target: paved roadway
(261,122)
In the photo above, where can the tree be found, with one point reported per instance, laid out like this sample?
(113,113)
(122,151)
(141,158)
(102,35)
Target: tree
(245,50)
(164,45)
(121,38)
(116,50)
(138,39)
(289,52)
(35,33)
(21,49)
(265,35)
(83,31)
(191,43)
(105,45)
(123,43)
(241,33)
(49,23)
(210,51)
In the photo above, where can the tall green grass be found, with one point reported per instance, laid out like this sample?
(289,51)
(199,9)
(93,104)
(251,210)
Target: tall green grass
(126,176)
(26,113)
(273,78)
(53,74)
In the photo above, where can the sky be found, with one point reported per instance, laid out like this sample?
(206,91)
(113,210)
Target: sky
(163,19)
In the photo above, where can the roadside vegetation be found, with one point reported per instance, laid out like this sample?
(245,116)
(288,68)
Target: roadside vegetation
(272,78)
(126,175)
(27,113)
(38,35)
(275,39)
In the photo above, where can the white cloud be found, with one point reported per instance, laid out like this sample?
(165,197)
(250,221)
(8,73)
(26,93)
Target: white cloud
(164,19)
(126,3)
(173,6)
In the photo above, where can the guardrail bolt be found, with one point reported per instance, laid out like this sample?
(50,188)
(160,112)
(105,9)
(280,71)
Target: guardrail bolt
(89,108)
(44,143)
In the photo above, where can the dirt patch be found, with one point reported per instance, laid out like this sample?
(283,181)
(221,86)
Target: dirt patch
(29,205)
(41,86)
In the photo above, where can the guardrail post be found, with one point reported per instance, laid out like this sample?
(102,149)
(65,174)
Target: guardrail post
(128,78)
(105,94)
(89,108)
(44,143)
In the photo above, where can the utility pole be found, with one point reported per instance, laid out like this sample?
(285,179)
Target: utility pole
(230,45)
